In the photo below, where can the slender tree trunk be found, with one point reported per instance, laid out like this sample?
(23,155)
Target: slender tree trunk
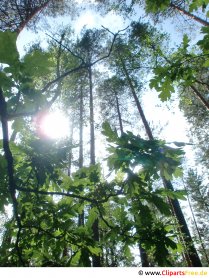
(119,113)
(141,112)
(80,159)
(197,229)
(200,97)
(191,251)
(92,137)
(70,156)
(95,226)
(192,16)
(143,254)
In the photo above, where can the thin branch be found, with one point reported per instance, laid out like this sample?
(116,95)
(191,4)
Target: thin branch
(55,193)
(59,78)
(67,48)
(111,46)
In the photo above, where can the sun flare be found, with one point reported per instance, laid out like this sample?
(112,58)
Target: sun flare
(54,125)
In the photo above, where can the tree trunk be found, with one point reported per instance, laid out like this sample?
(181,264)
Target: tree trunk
(70,156)
(95,226)
(191,251)
(92,137)
(141,112)
(119,113)
(80,159)
(200,97)
(192,16)
(143,254)
(30,16)
(190,248)
(197,229)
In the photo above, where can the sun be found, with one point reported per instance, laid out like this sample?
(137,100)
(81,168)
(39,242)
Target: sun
(54,125)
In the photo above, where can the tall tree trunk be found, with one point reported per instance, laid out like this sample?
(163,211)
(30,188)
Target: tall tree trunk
(143,254)
(192,16)
(119,113)
(80,159)
(191,251)
(95,226)
(139,107)
(92,137)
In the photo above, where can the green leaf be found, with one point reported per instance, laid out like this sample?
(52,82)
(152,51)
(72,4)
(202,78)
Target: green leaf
(206,63)
(185,41)
(37,63)
(109,133)
(75,258)
(177,194)
(95,250)
(8,50)
(161,205)
(5,81)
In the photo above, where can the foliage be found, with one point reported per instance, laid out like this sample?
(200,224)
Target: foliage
(151,157)
(130,206)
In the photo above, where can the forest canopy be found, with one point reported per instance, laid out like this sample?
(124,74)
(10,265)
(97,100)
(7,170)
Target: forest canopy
(88,178)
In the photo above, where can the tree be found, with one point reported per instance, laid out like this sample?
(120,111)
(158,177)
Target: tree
(121,58)
(160,9)
(16,15)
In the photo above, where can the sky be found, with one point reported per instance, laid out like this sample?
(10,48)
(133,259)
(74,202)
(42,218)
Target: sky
(170,118)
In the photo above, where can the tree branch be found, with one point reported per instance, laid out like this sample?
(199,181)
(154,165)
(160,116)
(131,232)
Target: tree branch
(55,193)
(67,48)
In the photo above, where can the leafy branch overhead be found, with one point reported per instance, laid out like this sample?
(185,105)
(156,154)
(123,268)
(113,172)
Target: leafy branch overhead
(110,192)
